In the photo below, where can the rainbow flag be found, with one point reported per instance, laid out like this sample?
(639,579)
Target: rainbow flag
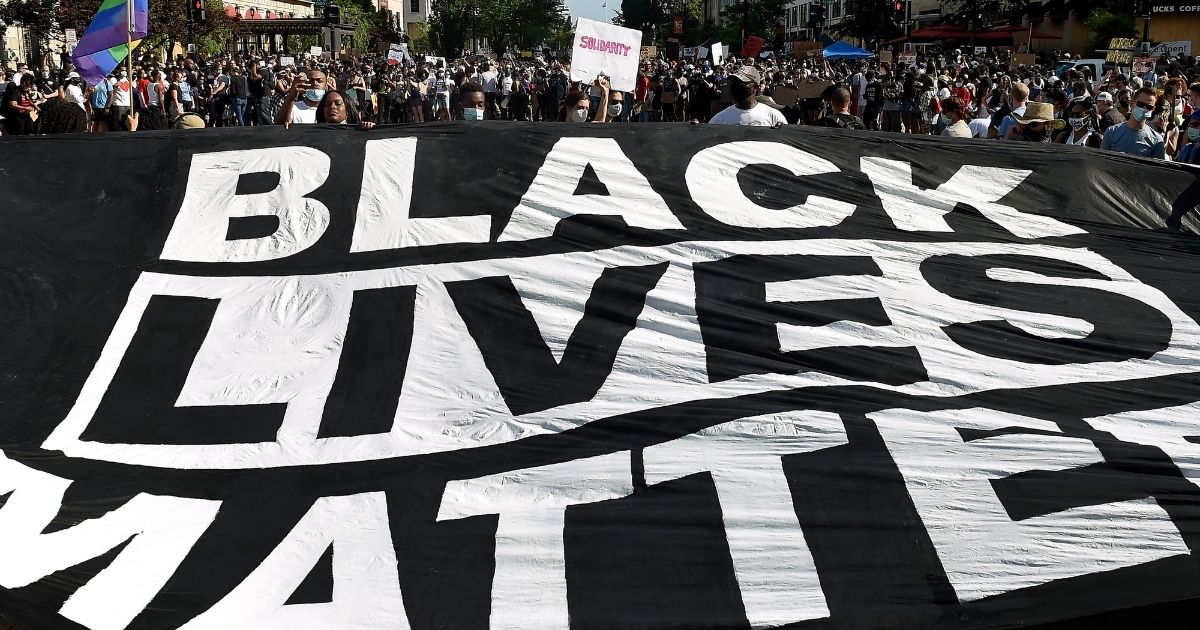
(104,44)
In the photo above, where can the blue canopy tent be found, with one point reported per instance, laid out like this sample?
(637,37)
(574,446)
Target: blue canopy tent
(842,50)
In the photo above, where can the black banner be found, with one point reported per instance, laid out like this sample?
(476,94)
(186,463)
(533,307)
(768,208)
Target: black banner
(538,376)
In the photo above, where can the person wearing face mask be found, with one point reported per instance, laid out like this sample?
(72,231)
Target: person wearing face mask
(1081,117)
(1190,152)
(1134,136)
(954,118)
(1036,124)
(305,94)
(20,109)
(575,109)
(120,102)
(474,101)
(746,110)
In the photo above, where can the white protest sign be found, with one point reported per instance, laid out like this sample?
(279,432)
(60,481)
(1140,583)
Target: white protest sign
(605,49)
(397,53)
(981,50)
(688,52)
(287,61)
(72,38)
(1179,47)
(315,51)
(718,53)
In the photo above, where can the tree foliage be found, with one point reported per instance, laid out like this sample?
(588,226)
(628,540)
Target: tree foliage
(517,24)
(870,20)
(1104,25)
(168,19)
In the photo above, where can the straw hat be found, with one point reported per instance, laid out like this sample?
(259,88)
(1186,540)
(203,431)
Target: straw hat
(1040,112)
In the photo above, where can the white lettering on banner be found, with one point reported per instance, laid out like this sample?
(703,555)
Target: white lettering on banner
(712,179)
(776,573)
(383,221)
(551,197)
(1167,429)
(210,202)
(366,585)
(916,209)
(983,550)
(529,589)
(795,338)
(163,530)
(278,339)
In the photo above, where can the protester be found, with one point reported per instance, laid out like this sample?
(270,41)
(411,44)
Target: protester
(954,117)
(746,110)
(840,116)
(300,104)
(336,108)
(1190,153)
(1036,124)
(1134,136)
(1084,124)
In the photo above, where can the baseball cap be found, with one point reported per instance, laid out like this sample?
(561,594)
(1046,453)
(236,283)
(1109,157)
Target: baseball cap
(747,74)
(189,121)
(1104,97)
(73,75)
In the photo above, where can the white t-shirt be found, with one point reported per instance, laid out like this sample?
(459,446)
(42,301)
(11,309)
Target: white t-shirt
(506,86)
(75,95)
(489,81)
(303,114)
(979,127)
(758,116)
(120,93)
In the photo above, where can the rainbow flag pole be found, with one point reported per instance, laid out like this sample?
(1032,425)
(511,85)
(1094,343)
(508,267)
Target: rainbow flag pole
(117,29)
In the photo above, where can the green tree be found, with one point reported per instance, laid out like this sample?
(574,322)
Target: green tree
(505,23)
(869,20)
(753,18)
(1103,26)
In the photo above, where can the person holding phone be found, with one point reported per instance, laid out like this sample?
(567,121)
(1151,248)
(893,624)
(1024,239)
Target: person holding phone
(303,98)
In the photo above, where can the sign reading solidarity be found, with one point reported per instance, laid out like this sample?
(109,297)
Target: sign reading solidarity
(722,379)
(607,49)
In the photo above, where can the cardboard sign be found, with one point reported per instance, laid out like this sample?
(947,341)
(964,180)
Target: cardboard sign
(786,96)
(752,46)
(1023,59)
(809,50)
(812,89)
(648,53)
(608,49)
(1120,50)
(1142,65)
(908,58)
(885,56)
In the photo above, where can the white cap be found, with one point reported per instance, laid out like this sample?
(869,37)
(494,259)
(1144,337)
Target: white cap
(73,75)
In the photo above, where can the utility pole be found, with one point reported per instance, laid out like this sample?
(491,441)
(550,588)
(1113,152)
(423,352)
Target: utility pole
(1145,21)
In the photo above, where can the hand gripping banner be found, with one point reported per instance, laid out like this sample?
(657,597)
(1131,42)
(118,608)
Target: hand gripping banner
(536,377)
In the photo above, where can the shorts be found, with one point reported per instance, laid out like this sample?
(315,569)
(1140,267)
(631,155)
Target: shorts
(99,115)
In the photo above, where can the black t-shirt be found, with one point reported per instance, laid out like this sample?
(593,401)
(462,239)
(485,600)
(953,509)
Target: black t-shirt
(874,93)
(238,87)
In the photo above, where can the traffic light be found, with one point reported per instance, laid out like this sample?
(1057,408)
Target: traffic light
(198,15)
(333,14)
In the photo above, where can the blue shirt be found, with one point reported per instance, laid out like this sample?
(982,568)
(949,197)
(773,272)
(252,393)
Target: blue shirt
(1008,122)
(100,95)
(1144,142)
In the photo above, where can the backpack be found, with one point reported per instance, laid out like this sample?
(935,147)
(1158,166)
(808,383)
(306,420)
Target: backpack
(843,121)
(1189,154)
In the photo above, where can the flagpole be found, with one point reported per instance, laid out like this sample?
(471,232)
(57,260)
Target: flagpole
(129,50)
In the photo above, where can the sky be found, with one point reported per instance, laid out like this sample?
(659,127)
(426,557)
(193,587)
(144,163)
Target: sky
(593,9)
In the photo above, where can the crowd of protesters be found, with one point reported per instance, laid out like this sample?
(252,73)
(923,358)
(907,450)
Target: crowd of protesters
(945,93)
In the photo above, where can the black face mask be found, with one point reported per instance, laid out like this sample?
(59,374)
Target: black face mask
(741,91)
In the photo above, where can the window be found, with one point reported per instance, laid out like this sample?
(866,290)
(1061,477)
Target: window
(414,6)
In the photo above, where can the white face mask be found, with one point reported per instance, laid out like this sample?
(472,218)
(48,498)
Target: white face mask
(614,110)
(473,113)
(1078,123)
(579,115)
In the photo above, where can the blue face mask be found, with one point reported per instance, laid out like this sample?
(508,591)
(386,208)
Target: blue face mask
(473,113)
(1141,114)
(314,95)
(1193,134)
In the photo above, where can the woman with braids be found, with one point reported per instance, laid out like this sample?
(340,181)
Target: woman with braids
(336,109)
(1084,130)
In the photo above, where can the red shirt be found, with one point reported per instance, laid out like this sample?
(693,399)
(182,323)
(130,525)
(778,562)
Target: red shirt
(643,85)
(964,94)
(143,87)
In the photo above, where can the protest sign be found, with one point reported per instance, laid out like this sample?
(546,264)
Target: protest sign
(607,49)
(752,46)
